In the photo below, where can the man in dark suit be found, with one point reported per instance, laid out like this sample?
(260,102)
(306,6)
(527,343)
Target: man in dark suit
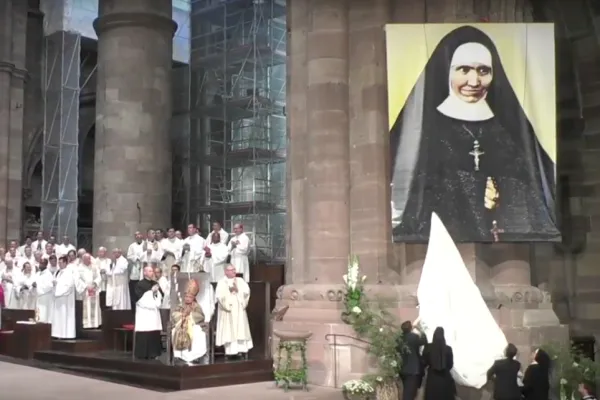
(411,372)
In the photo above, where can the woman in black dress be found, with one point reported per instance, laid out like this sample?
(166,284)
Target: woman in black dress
(536,382)
(439,360)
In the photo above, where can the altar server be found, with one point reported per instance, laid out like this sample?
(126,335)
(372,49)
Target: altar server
(148,323)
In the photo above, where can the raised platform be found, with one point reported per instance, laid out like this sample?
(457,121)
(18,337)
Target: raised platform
(118,367)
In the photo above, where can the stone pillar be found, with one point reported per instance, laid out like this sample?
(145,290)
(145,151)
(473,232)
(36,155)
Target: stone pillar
(327,172)
(297,119)
(132,167)
(369,142)
(13,37)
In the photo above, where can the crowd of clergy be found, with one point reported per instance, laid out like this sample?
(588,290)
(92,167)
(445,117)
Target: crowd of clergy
(49,277)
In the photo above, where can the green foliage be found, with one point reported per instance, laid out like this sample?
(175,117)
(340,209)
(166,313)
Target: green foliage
(373,324)
(570,367)
(286,374)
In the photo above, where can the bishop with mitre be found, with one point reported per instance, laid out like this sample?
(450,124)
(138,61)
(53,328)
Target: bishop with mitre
(233,330)
(190,322)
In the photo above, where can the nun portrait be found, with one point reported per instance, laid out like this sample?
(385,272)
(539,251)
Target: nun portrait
(463,147)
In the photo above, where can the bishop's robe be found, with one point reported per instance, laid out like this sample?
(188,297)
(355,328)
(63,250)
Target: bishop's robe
(188,334)
(68,285)
(45,294)
(92,280)
(216,261)
(233,330)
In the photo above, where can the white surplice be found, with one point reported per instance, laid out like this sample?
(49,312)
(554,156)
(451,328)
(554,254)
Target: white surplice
(191,261)
(171,253)
(165,286)
(31,260)
(38,245)
(10,279)
(222,234)
(45,294)
(135,255)
(27,293)
(147,312)
(92,279)
(233,330)
(199,348)
(63,314)
(117,289)
(216,263)
(239,254)
(63,249)
(449,298)
(155,256)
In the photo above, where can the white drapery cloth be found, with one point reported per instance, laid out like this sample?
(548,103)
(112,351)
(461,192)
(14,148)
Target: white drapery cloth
(449,298)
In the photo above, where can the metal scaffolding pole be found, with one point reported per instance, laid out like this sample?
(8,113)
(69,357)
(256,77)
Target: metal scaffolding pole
(62,64)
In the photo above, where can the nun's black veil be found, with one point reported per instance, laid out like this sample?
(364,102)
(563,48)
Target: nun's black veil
(501,99)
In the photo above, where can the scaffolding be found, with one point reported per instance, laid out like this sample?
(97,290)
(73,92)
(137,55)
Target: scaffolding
(237,135)
(62,63)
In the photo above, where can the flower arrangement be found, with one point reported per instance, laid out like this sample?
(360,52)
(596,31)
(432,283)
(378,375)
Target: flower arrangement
(357,388)
(375,325)
(570,367)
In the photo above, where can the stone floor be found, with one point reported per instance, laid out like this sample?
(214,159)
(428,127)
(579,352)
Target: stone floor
(18,382)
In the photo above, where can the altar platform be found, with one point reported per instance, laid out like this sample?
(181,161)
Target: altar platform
(106,353)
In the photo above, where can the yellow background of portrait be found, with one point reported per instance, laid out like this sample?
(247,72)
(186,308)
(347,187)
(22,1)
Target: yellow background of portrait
(527,55)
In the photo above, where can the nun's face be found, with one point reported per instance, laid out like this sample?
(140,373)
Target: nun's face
(470,82)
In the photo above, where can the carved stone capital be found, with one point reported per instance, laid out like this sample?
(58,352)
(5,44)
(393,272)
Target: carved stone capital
(13,70)
(111,21)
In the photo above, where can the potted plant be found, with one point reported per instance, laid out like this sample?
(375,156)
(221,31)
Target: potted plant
(358,389)
(570,367)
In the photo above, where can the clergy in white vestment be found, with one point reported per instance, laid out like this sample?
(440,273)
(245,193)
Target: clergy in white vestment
(215,258)
(190,321)
(117,278)
(196,244)
(21,249)
(48,251)
(233,330)
(165,286)
(26,288)
(103,263)
(44,282)
(39,244)
(148,323)
(64,248)
(239,248)
(153,252)
(10,278)
(92,279)
(217,228)
(28,257)
(66,285)
(135,255)
(172,248)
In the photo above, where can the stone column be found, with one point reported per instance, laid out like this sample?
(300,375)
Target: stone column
(369,140)
(13,34)
(328,175)
(15,145)
(132,166)
(297,119)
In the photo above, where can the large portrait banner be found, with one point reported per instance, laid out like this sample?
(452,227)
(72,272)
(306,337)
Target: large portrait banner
(472,112)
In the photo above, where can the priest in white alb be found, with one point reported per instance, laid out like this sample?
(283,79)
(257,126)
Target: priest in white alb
(190,322)
(239,248)
(44,282)
(102,262)
(171,247)
(26,288)
(215,257)
(92,279)
(217,228)
(192,251)
(117,279)
(66,285)
(135,256)
(233,330)
(10,277)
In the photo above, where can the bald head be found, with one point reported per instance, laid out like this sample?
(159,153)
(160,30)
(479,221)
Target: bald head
(86,259)
(148,272)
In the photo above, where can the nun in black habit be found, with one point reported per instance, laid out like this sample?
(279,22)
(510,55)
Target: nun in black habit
(463,147)
(148,322)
